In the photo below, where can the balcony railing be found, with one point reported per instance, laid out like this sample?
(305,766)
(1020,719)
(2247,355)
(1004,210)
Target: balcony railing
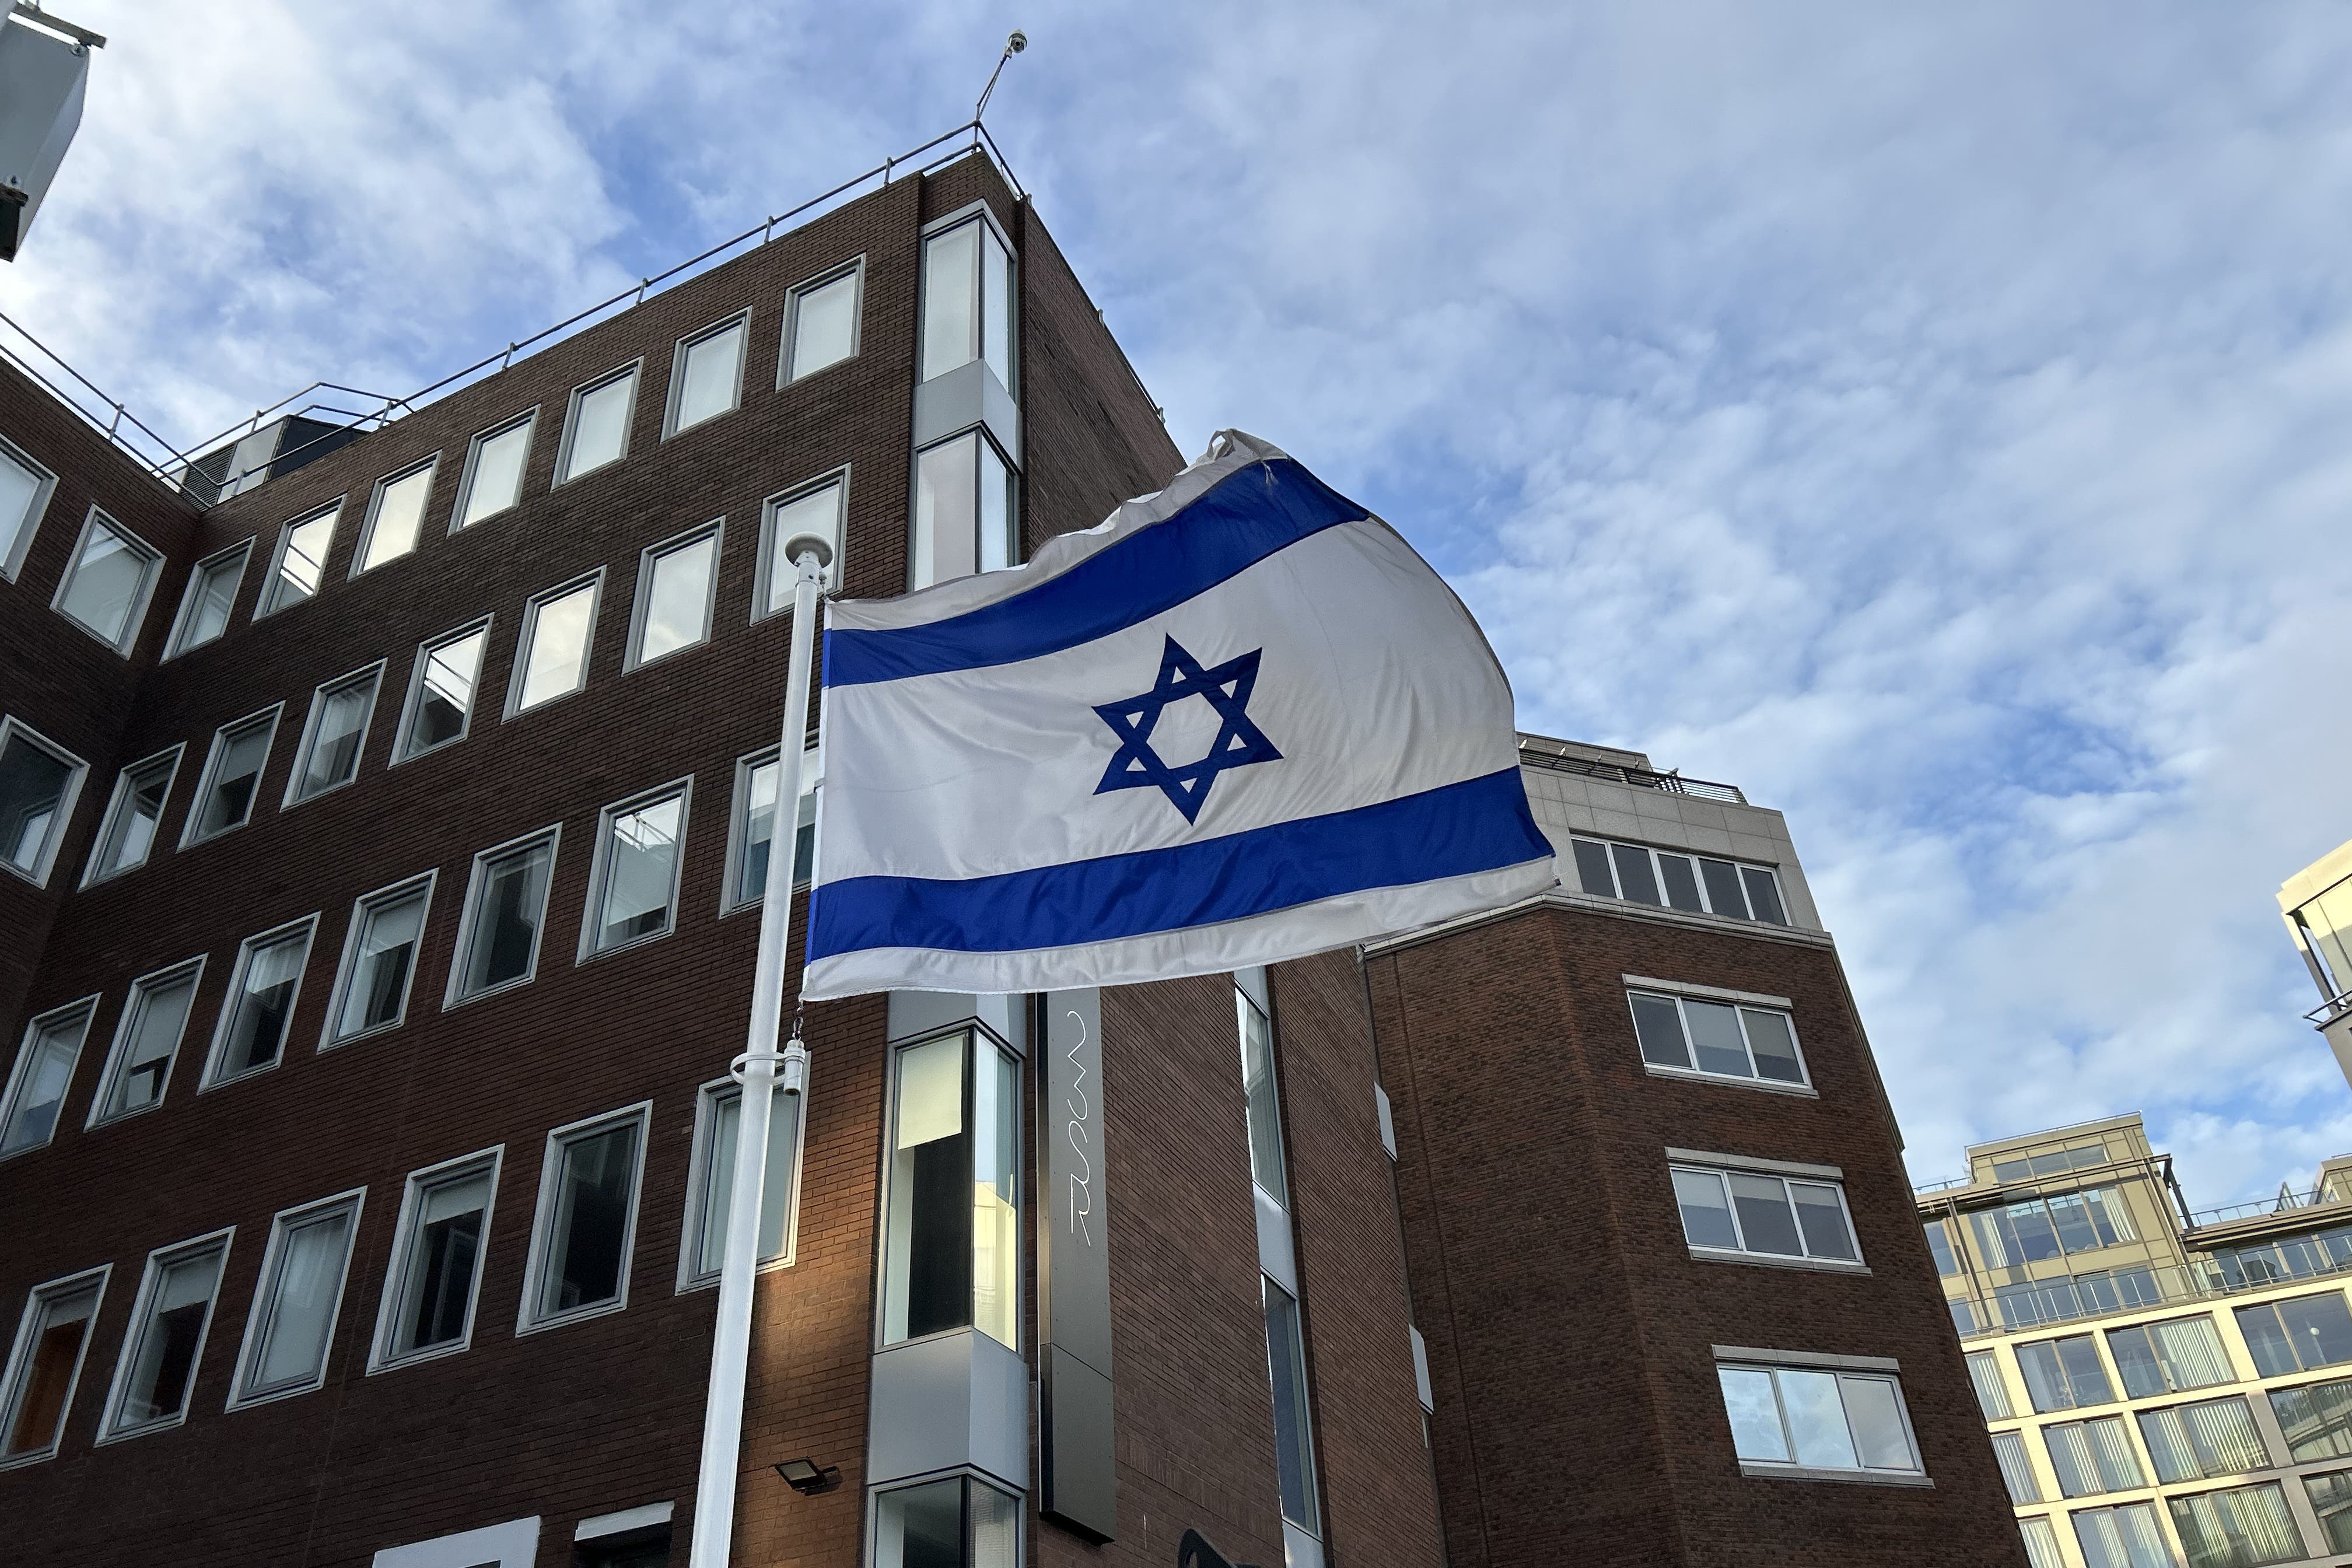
(2081,1296)
(2327,1012)
(2285,1202)
(1531,754)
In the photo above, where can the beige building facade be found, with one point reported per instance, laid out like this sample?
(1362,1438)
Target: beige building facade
(2316,903)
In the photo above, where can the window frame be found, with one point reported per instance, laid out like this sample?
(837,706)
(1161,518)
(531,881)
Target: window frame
(427,466)
(528,1320)
(367,905)
(1723,1168)
(308,928)
(528,422)
(633,654)
(135,619)
(242,1395)
(487,1162)
(980,212)
(2242,1397)
(600,868)
(37,511)
(739,824)
(764,565)
(1741,1003)
(176,643)
(2302,1553)
(527,635)
(675,394)
(110,1427)
(20,1071)
(853,270)
(2272,1307)
(118,1052)
(1837,1367)
(470,914)
(976,1038)
(20,1354)
(707,1099)
(1707,896)
(2133,1442)
(401,751)
(372,674)
(62,819)
(1017,481)
(117,802)
(268,601)
(970,1476)
(2098,1354)
(208,780)
(635,371)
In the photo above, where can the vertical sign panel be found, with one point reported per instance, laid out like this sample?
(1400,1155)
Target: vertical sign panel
(1079,1487)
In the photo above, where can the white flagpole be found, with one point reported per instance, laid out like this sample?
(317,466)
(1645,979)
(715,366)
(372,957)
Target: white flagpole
(758,1071)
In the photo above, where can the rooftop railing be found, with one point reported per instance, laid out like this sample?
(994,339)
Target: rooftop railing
(1534,755)
(2075,1298)
(2327,1012)
(2285,1202)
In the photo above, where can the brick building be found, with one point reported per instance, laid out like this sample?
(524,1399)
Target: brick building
(380,839)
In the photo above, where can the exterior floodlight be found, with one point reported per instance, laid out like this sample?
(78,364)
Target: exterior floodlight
(44,70)
(807,1478)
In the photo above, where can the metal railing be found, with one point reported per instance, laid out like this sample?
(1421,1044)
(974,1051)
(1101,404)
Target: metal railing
(2075,1298)
(2285,1202)
(1639,778)
(2327,1012)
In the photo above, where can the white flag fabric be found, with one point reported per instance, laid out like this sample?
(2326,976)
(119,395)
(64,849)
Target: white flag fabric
(1239,721)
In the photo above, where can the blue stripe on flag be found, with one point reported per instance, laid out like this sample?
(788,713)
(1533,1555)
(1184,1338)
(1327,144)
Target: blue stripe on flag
(1238,521)
(1478,824)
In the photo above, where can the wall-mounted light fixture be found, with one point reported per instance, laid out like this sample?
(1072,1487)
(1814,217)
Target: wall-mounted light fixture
(807,1478)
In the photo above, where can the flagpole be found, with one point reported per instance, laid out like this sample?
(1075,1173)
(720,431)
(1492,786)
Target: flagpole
(758,1070)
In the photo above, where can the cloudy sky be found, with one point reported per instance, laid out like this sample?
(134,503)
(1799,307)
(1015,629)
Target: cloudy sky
(1937,421)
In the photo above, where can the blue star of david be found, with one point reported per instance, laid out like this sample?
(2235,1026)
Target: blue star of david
(1239,741)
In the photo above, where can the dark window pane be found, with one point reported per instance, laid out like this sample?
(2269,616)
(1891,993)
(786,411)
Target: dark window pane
(1723,894)
(1682,882)
(1715,1035)
(2136,1360)
(1763,897)
(1774,1045)
(1706,1214)
(42,1405)
(1660,1029)
(1634,873)
(589,1228)
(2034,1233)
(2331,1499)
(1592,868)
(1939,1246)
(2084,1376)
(1766,1222)
(2317,1420)
(448,1259)
(2046,1380)
(2320,1327)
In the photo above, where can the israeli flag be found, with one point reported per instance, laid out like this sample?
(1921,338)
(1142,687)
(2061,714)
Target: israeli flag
(1237,722)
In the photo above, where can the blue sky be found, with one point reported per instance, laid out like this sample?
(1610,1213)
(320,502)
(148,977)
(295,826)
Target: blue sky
(1934,421)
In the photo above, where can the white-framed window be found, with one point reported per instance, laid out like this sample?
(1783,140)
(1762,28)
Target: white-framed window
(633,885)
(951,1214)
(396,515)
(146,1042)
(43,1071)
(2092,1457)
(39,782)
(2123,1537)
(962,1520)
(298,564)
(710,1188)
(333,735)
(2237,1527)
(820,506)
(558,629)
(586,1224)
(105,591)
(165,1342)
(439,710)
(514,1544)
(1261,1098)
(206,602)
(495,461)
(1719,1039)
(678,583)
(1667,878)
(1729,1211)
(1294,1434)
(596,423)
(821,321)
(505,908)
(966,518)
(231,781)
(968,296)
(258,1013)
(436,1274)
(45,1364)
(2206,1438)
(297,1300)
(379,962)
(1806,1417)
(706,373)
(752,828)
(25,486)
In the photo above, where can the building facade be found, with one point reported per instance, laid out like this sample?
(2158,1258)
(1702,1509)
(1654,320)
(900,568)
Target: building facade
(2316,904)
(382,837)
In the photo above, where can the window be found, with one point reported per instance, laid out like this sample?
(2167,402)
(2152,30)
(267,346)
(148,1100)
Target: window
(395,516)
(2125,1537)
(2241,1527)
(2317,1420)
(754,827)
(204,605)
(960,1522)
(816,508)
(146,1042)
(1294,1439)
(493,478)
(965,517)
(128,831)
(25,486)
(968,299)
(1992,1390)
(951,1232)
(706,375)
(45,1363)
(43,1071)
(379,960)
(2092,1457)
(440,706)
(2016,1469)
(1669,881)
(437,1262)
(506,906)
(587,1219)
(596,428)
(2041,1544)
(2167,1358)
(551,655)
(677,582)
(334,734)
(2036,1228)
(1261,1102)
(2050,1162)
(2061,1374)
(166,1338)
(39,782)
(2331,1500)
(232,776)
(297,1301)
(613,1542)
(105,591)
(821,321)
(711,1192)
(1804,1419)
(301,561)
(1939,1246)
(1685,1034)
(633,887)
(1764,1215)
(2296,1258)
(254,1015)
(2297,1334)
(2212,1437)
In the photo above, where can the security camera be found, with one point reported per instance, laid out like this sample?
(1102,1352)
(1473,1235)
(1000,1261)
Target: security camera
(1018,41)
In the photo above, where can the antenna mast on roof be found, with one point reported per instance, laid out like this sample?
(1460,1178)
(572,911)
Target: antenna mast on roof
(1012,45)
